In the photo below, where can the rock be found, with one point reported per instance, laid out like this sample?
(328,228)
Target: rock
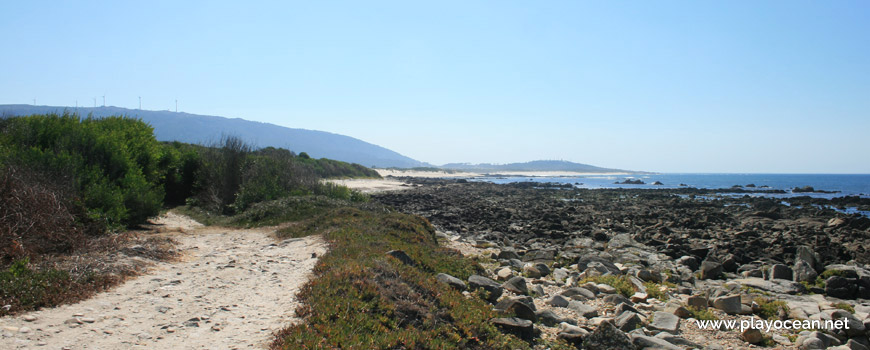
(854,327)
(401,256)
(451,281)
(583,309)
(583,293)
(689,261)
(531,271)
(841,287)
(504,274)
(780,271)
(804,272)
(628,321)
(666,322)
(549,318)
(646,342)
(28,318)
(621,240)
(816,340)
(25,330)
(605,289)
(852,344)
(730,304)
(639,297)
(752,336)
(493,289)
(649,275)
(600,264)
(542,268)
(776,286)
(698,302)
(517,285)
(616,299)
(524,329)
(607,337)
(806,254)
(711,269)
(508,254)
(622,308)
(518,308)
(682,312)
(559,275)
(678,340)
(558,301)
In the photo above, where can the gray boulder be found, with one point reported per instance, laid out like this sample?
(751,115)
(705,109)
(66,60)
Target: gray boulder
(647,342)
(729,304)
(711,269)
(517,285)
(628,321)
(451,281)
(665,322)
(524,329)
(583,309)
(780,271)
(804,272)
(607,337)
(492,288)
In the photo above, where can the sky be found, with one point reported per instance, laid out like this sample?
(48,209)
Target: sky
(668,86)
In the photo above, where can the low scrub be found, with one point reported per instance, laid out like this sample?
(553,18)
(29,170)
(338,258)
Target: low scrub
(363,299)
(23,288)
(621,283)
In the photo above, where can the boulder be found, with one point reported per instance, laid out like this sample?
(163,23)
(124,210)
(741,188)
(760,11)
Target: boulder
(583,309)
(841,287)
(689,261)
(697,301)
(581,293)
(607,337)
(401,256)
(504,274)
(517,285)
(780,271)
(665,322)
(508,254)
(711,269)
(524,329)
(530,271)
(729,304)
(492,288)
(806,254)
(518,308)
(628,321)
(558,301)
(549,318)
(451,281)
(804,272)
(647,342)
(752,336)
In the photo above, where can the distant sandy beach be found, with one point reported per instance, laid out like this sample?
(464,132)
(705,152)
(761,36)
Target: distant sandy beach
(431,174)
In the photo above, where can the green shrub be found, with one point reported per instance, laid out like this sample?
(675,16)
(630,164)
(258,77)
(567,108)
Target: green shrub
(621,283)
(771,309)
(113,162)
(845,306)
(701,313)
(655,290)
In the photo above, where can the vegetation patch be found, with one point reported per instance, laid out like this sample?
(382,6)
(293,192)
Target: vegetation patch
(701,313)
(845,306)
(655,290)
(24,288)
(771,309)
(621,283)
(361,298)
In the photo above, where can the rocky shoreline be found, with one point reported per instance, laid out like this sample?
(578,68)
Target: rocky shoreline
(635,268)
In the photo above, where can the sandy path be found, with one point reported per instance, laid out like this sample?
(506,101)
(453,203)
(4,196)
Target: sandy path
(231,290)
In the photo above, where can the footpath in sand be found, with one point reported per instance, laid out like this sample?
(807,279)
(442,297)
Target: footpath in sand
(231,289)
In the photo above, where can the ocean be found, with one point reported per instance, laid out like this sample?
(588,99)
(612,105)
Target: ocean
(842,184)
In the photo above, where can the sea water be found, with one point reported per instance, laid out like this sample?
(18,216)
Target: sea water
(841,184)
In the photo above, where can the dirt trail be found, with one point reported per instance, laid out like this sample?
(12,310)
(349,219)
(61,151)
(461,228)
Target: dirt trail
(231,290)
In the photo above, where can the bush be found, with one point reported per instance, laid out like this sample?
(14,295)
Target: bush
(621,283)
(38,214)
(113,162)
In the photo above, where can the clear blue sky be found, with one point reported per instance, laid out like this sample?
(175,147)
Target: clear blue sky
(671,86)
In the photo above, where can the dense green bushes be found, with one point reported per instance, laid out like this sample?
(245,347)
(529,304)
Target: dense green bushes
(112,163)
(63,178)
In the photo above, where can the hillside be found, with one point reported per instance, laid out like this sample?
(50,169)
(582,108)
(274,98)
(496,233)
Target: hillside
(193,128)
(537,165)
